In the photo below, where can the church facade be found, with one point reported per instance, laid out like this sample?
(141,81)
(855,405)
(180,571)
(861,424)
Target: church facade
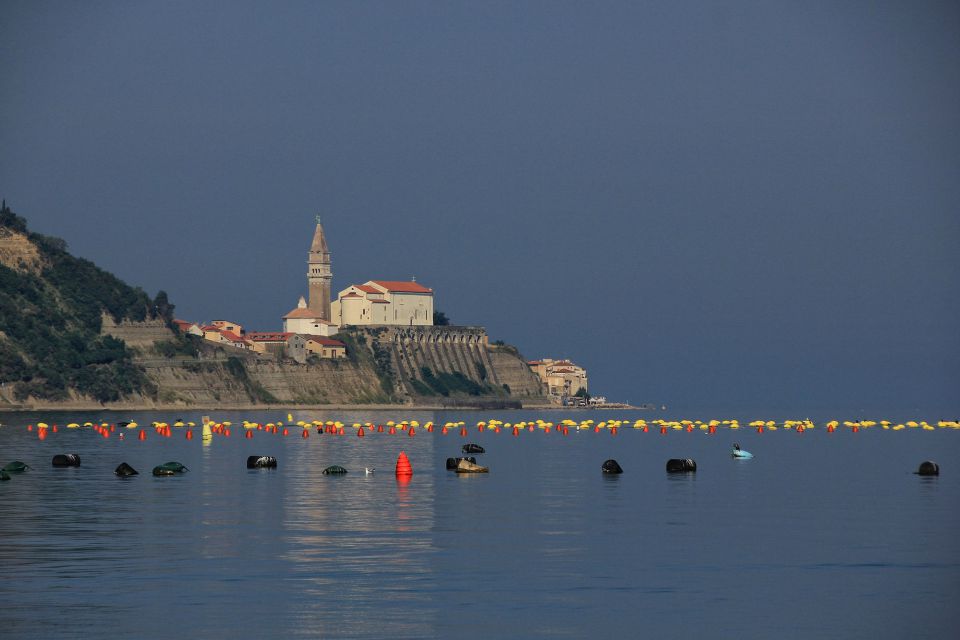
(384,302)
(375,302)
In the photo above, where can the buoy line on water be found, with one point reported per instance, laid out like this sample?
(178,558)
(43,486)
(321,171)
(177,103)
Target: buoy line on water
(411,428)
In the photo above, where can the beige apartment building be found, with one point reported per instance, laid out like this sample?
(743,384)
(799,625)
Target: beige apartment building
(562,377)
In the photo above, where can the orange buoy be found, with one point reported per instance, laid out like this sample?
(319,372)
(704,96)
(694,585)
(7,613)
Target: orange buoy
(689,428)
(566,431)
(42,434)
(646,429)
(463,432)
(800,429)
(759,429)
(443,431)
(393,430)
(829,428)
(712,430)
(340,431)
(361,433)
(613,431)
(411,433)
(479,428)
(189,435)
(29,427)
(663,431)
(305,434)
(142,435)
(54,429)
(403,465)
(530,428)
(226,432)
(286,432)
(596,429)
(855,429)
(516,431)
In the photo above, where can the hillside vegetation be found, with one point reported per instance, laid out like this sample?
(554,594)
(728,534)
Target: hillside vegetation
(51,304)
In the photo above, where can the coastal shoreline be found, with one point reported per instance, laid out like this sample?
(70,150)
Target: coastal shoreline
(291,407)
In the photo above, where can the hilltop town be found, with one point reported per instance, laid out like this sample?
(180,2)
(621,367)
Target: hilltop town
(309,328)
(73,336)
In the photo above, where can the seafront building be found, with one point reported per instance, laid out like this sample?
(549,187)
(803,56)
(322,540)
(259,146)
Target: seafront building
(563,378)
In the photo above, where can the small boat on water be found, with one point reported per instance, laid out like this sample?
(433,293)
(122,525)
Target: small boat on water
(740,453)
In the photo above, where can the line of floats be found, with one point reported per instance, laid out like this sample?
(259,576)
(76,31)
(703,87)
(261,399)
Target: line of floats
(411,427)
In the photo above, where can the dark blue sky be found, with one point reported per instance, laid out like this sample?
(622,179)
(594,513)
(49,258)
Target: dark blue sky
(735,204)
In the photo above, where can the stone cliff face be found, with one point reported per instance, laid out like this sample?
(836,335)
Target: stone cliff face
(386,366)
(239,381)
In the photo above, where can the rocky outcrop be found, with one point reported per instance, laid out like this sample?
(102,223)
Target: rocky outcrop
(18,253)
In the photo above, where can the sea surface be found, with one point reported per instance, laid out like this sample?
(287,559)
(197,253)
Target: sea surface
(821,535)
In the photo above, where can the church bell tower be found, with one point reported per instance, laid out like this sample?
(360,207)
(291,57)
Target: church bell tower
(319,275)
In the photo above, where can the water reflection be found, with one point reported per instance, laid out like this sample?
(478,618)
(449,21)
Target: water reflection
(544,544)
(364,538)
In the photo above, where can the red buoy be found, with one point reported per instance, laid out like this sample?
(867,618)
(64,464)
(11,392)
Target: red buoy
(360,433)
(189,434)
(249,434)
(411,433)
(403,465)
(142,435)
(305,434)
(286,432)
(516,431)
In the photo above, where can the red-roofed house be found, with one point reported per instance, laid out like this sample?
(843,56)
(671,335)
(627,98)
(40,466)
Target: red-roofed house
(189,328)
(325,347)
(272,342)
(307,321)
(384,302)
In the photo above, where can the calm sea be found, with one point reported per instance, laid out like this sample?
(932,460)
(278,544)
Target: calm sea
(819,536)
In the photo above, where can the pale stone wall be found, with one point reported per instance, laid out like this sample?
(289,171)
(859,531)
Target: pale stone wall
(403,309)
(136,334)
(458,349)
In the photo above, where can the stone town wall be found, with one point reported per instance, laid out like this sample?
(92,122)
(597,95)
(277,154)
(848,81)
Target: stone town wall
(457,349)
(136,334)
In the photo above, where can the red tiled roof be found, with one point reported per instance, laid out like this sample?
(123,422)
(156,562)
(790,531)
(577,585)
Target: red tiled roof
(367,289)
(231,336)
(210,327)
(561,371)
(327,342)
(377,300)
(402,287)
(302,313)
(350,295)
